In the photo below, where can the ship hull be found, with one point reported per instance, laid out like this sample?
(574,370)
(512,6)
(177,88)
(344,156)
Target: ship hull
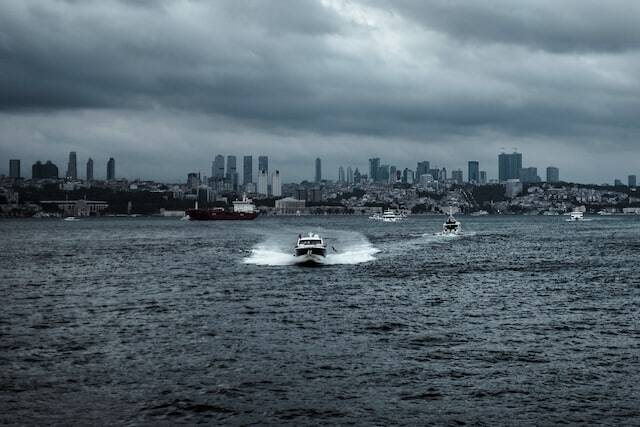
(211,215)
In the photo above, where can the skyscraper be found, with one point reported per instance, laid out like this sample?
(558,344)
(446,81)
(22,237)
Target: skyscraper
(383,173)
(529,174)
(217,168)
(14,168)
(423,168)
(374,167)
(392,174)
(509,166)
(473,175)
(349,175)
(456,175)
(263,182)
(90,169)
(553,174)
(276,184)
(318,170)
(247,170)
(263,164)
(111,169)
(357,177)
(631,180)
(232,172)
(341,176)
(483,177)
(72,166)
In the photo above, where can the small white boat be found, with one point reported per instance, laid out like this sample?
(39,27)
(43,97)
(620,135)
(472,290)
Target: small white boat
(71,218)
(390,215)
(576,216)
(310,249)
(451,226)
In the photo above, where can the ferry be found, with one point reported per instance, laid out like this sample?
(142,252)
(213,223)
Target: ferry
(242,210)
(310,249)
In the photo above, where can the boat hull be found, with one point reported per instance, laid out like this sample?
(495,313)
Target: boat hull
(311,252)
(216,215)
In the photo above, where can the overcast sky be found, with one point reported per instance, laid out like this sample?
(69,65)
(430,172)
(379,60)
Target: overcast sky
(165,86)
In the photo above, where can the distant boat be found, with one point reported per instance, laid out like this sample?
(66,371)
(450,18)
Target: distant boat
(242,210)
(576,215)
(480,213)
(71,218)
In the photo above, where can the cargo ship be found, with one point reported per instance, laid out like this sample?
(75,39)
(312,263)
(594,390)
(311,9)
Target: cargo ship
(242,210)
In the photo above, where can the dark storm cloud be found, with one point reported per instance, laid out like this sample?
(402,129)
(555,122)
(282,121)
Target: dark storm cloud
(477,74)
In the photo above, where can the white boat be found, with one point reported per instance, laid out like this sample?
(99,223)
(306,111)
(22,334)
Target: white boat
(71,218)
(390,215)
(451,226)
(310,249)
(480,213)
(576,216)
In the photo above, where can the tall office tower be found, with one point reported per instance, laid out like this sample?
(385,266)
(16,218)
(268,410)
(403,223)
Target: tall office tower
(374,167)
(90,169)
(263,164)
(529,174)
(423,168)
(111,169)
(247,170)
(14,168)
(341,176)
(483,177)
(263,182)
(553,174)
(318,170)
(456,175)
(392,175)
(474,172)
(631,180)
(193,180)
(276,184)
(231,166)
(44,171)
(509,166)
(383,173)
(72,166)
(217,168)
(442,175)
(349,175)
(357,177)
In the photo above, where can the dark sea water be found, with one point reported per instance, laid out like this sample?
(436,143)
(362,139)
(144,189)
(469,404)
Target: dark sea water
(525,320)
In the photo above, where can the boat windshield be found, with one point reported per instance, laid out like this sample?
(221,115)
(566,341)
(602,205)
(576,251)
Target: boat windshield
(310,242)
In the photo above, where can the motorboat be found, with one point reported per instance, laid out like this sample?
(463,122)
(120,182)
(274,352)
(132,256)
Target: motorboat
(310,249)
(71,218)
(451,226)
(576,215)
(390,215)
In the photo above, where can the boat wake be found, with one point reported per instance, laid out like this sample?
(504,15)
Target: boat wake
(277,254)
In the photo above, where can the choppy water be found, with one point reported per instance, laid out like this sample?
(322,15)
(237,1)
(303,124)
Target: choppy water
(158,321)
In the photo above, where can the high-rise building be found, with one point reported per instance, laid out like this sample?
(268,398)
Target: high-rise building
(276,184)
(357,177)
(631,180)
(553,174)
(456,175)
(529,175)
(318,170)
(193,180)
(435,174)
(247,170)
(442,176)
(383,173)
(374,167)
(44,171)
(509,166)
(72,166)
(90,169)
(422,168)
(263,164)
(349,175)
(392,174)
(217,168)
(14,168)
(483,177)
(473,175)
(231,166)
(617,183)
(341,176)
(111,169)
(263,182)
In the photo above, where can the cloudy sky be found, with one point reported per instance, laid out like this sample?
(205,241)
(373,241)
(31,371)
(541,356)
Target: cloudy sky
(164,86)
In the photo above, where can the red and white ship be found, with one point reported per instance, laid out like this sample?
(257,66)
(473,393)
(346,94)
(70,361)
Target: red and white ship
(242,210)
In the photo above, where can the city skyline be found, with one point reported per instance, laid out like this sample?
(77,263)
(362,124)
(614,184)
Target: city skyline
(414,82)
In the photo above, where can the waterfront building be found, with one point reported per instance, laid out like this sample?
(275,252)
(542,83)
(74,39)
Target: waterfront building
(553,174)
(44,171)
(263,164)
(529,175)
(290,206)
(457,177)
(374,167)
(318,170)
(72,167)
(14,168)
(263,183)
(473,173)
(509,166)
(217,168)
(483,177)
(247,170)
(631,179)
(276,184)
(349,175)
(111,169)
(78,207)
(90,169)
